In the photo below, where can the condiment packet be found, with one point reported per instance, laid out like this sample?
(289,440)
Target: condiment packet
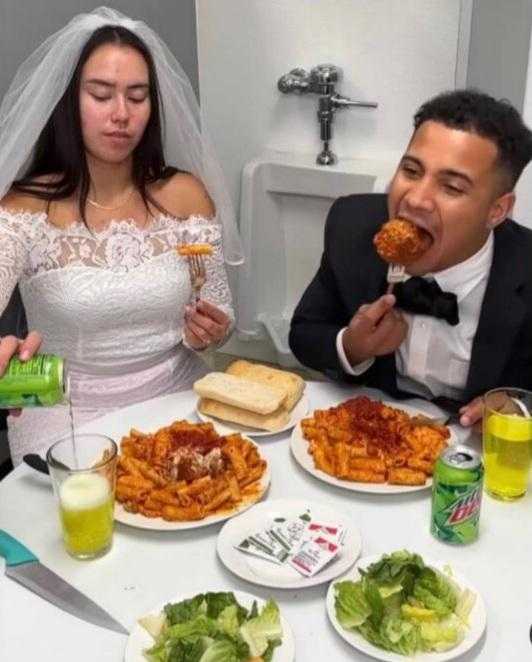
(311,542)
(278,542)
(334,532)
(314,555)
(265,547)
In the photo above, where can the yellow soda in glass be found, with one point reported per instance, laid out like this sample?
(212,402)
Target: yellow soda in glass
(86,508)
(507,446)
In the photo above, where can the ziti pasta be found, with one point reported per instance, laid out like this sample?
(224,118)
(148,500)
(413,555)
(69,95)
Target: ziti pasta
(194,249)
(367,441)
(186,471)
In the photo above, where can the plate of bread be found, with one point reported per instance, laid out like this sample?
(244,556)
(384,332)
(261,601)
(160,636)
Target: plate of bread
(252,399)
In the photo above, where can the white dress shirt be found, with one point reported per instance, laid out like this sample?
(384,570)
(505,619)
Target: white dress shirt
(433,359)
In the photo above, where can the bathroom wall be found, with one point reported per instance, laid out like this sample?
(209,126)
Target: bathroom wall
(498,52)
(499,62)
(395,52)
(523,207)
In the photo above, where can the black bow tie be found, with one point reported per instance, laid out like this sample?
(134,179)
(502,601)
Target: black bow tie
(425,297)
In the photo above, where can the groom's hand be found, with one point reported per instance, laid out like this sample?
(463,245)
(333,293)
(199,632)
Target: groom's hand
(376,329)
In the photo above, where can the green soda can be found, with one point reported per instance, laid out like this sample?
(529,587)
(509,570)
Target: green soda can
(456,495)
(38,382)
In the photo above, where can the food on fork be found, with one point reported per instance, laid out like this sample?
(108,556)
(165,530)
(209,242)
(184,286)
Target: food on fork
(239,392)
(366,441)
(186,471)
(280,380)
(194,249)
(401,242)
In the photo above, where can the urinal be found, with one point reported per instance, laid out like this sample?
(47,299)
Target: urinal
(285,199)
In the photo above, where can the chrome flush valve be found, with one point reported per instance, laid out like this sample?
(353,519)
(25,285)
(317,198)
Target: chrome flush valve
(321,81)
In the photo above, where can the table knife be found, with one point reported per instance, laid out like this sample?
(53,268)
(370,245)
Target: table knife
(25,568)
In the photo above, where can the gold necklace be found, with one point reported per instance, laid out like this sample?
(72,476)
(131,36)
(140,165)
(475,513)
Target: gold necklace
(104,208)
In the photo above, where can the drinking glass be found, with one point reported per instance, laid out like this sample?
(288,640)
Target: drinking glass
(83,471)
(507,440)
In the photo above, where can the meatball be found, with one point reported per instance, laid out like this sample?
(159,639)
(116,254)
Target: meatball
(401,242)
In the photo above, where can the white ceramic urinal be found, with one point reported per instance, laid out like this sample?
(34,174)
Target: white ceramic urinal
(285,201)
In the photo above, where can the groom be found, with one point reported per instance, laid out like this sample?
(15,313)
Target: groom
(455,181)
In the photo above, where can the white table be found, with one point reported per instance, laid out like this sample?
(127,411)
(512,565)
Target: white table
(145,568)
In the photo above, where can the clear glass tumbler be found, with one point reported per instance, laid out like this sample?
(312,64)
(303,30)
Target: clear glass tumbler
(83,471)
(507,441)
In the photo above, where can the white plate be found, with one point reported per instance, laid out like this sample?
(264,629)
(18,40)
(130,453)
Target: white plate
(477,621)
(225,427)
(299,446)
(139,639)
(159,524)
(262,572)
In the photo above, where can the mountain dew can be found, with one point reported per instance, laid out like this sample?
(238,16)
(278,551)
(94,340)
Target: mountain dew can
(38,382)
(456,495)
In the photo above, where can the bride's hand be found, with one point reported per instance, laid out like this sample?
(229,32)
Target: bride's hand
(205,325)
(24,347)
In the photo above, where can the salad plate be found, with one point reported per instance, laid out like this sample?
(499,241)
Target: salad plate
(141,640)
(476,619)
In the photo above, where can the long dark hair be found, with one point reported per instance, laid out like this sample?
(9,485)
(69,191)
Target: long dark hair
(60,148)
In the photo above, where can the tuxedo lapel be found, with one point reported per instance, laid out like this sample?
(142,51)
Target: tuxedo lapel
(501,314)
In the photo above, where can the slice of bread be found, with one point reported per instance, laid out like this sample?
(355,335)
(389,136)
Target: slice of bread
(281,380)
(239,392)
(271,422)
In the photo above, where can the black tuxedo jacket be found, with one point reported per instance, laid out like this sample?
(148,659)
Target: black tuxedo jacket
(351,273)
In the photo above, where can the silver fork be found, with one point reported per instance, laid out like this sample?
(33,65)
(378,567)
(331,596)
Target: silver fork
(396,274)
(198,274)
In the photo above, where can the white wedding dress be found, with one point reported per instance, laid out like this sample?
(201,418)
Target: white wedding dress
(112,304)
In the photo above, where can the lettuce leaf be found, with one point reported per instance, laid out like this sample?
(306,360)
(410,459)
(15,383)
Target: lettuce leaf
(214,627)
(404,606)
(259,631)
(466,602)
(393,634)
(351,605)
(442,635)
(221,651)
(181,612)
(435,592)
(227,620)
(217,602)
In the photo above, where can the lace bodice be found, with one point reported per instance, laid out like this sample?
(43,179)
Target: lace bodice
(111,300)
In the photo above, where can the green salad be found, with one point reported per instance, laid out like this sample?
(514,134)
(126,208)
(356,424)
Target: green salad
(213,627)
(402,605)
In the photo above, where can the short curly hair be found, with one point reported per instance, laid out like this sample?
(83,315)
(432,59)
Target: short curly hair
(474,111)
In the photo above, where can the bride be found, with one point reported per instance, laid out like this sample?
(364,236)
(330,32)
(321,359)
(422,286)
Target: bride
(104,170)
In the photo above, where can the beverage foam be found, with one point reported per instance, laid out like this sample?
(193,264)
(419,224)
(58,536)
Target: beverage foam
(82,491)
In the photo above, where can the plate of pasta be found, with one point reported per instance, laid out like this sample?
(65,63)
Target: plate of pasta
(185,475)
(365,445)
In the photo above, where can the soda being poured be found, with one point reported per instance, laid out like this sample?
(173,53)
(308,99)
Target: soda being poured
(42,381)
(39,382)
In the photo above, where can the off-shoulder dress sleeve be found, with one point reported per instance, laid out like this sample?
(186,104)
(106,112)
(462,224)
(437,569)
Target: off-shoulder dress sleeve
(14,249)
